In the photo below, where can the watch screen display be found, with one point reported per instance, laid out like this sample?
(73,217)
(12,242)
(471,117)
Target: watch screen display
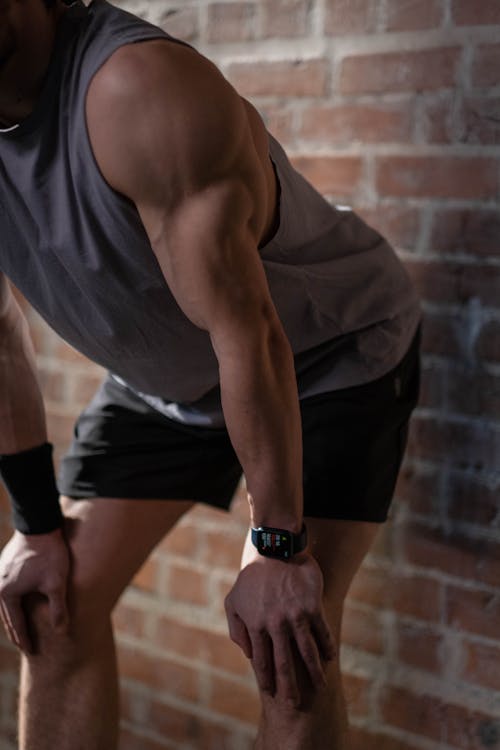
(274,544)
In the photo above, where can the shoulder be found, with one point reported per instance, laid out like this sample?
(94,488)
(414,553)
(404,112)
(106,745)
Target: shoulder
(159,104)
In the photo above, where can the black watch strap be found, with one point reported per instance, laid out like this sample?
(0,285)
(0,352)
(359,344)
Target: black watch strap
(279,543)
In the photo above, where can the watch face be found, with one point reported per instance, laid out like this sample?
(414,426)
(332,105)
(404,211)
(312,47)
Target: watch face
(274,543)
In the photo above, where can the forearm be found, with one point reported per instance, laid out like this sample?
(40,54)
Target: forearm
(22,414)
(261,408)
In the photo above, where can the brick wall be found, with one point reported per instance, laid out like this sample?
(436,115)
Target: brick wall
(393,107)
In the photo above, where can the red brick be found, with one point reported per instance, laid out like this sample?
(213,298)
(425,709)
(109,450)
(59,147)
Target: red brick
(399,71)
(182,23)
(455,554)
(129,620)
(188,585)
(147,576)
(485,65)
(201,645)
(488,341)
(134,703)
(52,384)
(472,177)
(357,694)
(285,18)
(187,727)
(41,335)
(278,120)
(474,393)
(132,739)
(85,385)
(472,501)
(382,549)
(471,231)
(481,120)
(440,121)
(362,629)
(366,123)
(413,595)
(419,646)
(419,488)
(413,15)
(60,428)
(441,334)
(331,175)
(157,672)
(471,13)
(224,553)
(281,78)
(432,387)
(239,510)
(476,611)
(482,665)
(67,353)
(474,446)
(231,22)
(363,739)
(398,223)
(351,17)
(184,540)
(234,699)
(433,717)
(9,656)
(453,282)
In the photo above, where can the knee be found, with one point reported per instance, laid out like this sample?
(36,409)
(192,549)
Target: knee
(87,630)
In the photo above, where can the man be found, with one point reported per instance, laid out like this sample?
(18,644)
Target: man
(245,323)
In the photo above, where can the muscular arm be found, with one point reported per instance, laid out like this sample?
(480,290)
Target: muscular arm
(22,415)
(171,134)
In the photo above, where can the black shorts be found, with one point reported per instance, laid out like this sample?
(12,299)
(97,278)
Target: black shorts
(353,445)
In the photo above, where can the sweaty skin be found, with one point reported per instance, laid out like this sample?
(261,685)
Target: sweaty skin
(197,169)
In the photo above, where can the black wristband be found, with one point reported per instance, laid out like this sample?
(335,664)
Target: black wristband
(30,480)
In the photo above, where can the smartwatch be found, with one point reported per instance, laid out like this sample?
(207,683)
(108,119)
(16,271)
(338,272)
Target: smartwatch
(279,543)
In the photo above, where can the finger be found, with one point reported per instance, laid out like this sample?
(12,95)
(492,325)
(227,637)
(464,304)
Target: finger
(58,609)
(286,672)
(7,625)
(263,662)
(17,622)
(309,652)
(324,637)
(238,632)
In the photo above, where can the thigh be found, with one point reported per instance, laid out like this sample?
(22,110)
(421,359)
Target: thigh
(109,540)
(340,547)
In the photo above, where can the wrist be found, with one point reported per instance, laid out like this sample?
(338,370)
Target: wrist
(279,518)
(30,480)
(279,543)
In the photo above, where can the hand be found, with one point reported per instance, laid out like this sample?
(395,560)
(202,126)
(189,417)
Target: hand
(272,606)
(29,564)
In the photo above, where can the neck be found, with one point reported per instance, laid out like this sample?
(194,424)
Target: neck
(22,74)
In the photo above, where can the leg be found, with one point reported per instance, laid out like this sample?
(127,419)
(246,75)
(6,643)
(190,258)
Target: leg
(339,547)
(69,687)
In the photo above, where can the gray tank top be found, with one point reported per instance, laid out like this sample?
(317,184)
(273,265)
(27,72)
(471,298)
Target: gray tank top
(79,253)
